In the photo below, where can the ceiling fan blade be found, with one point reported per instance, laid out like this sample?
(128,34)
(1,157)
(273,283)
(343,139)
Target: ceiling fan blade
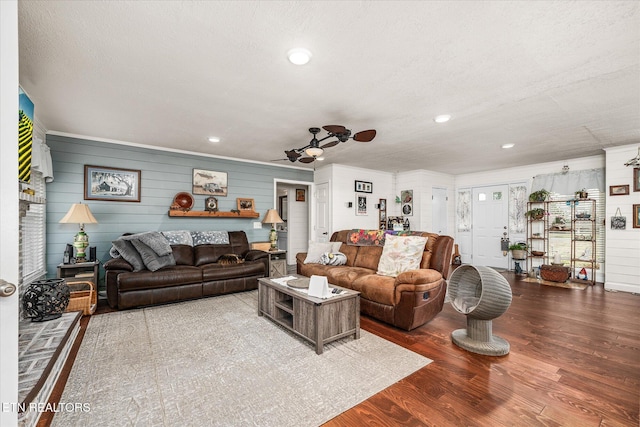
(334,128)
(307,159)
(365,135)
(292,154)
(330,144)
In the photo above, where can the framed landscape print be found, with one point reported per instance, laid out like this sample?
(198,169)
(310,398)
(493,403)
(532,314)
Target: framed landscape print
(618,190)
(209,183)
(111,184)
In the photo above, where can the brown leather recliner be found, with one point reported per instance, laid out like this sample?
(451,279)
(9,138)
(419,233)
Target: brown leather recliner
(195,275)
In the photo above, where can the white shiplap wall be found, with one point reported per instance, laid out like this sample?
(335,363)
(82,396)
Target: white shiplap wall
(422,183)
(622,247)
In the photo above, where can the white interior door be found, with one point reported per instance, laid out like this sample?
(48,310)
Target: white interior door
(9,210)
(439,222)
(322,212)
(490,213)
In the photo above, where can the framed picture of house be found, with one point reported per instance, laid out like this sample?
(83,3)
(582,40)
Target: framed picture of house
(209,183)
(111,184)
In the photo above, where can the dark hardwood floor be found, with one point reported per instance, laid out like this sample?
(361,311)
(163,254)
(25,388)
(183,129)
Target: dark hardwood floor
(574,361)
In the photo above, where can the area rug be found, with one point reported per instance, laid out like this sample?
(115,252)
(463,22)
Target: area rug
(215,362)
(566,285)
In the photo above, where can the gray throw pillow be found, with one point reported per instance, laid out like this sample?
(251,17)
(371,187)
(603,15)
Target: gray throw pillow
(129,253)
(152,260)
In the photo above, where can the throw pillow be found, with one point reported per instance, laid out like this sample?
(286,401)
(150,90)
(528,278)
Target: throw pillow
(181,237)
(129,253)
(315,251)
(333,258)
(210,238)
(151,259)
(400,254)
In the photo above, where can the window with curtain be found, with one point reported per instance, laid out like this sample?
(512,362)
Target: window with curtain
(34,234)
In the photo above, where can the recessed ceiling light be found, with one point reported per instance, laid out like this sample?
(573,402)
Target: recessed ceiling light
(442,118)
(299,56)
(508,145)
(214,139)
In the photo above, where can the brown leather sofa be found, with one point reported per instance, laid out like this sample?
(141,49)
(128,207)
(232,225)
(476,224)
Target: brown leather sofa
(407,301)
(196,274)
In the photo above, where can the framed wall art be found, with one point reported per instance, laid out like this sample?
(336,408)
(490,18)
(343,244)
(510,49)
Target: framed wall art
(111,184)
(636,216)
(361,205)
(209,183)
(618,190)
(245,204)
(636,179)
(406,198)
(382,214)
(300,195)
(363,187)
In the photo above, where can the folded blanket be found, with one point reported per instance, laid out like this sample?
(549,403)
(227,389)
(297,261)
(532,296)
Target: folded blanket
(150,249)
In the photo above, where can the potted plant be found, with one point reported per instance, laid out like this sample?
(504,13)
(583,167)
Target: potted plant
(539,196)
(518,250)
(582,194)
(536,213)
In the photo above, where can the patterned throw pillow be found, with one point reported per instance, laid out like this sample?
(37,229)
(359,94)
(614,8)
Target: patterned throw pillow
(333,258)
(210,238)
(181,237)
(400,254)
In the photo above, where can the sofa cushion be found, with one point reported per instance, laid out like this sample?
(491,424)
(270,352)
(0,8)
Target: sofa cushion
(209,254)
(346,276)
(168,276)
(400,254)
(368,257)
(212,272)
(380,289)
(183,254)
(351,252)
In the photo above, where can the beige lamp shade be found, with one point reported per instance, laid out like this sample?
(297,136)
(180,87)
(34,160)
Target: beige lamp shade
(272,217)
(79,214)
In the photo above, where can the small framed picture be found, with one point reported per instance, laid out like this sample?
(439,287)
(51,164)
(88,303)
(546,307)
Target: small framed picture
(245,204)
(363,187)
(111,184)
(636,179)
(636,216)
(300,195)
(361,205)
(618,190)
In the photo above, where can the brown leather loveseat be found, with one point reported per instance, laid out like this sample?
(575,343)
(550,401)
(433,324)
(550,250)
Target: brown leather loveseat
(407,301)
(196,274)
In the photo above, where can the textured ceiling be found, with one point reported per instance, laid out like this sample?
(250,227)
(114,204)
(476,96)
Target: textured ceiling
(559,79)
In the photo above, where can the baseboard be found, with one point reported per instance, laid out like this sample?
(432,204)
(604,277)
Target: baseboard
(622,287)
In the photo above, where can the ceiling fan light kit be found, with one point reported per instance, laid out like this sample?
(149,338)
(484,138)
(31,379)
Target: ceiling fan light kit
(314,149)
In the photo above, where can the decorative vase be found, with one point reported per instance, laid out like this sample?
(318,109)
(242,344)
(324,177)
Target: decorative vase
(46,299)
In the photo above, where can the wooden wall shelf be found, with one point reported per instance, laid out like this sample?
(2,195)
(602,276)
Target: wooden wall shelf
(218,214)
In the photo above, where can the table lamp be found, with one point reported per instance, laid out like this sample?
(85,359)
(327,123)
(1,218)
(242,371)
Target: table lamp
(272,217)
(79,214)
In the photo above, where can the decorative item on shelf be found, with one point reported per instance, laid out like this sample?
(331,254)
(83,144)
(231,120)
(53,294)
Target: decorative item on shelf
(182,201)
(456,258)
(245,204)
(557,259)
(518,250)
(79,214)
(272,217)
(559,224)
(539,196)
(582,194)
(583,215)
(537,253)
(29,191)
(211,204)
(46,299)
(536,213)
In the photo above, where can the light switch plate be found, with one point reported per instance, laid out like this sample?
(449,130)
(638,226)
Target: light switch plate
(257,224)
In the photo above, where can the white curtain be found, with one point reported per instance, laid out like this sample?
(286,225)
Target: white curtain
(570,182)
(41,159)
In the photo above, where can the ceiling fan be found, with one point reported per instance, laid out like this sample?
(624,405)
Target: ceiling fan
(314,149)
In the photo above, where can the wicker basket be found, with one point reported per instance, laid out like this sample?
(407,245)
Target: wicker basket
(554,273)
(83,297)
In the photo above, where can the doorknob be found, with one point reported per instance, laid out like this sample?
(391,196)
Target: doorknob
(325,233)
(6,289)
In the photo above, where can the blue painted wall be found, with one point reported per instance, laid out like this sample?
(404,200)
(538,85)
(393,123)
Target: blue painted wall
(163,175)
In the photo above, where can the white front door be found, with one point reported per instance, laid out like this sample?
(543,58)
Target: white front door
(490,213)
(439,211)
(9,211)
(322,212)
